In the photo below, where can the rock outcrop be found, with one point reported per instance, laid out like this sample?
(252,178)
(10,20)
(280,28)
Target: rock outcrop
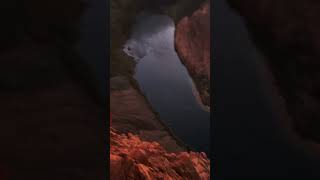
(192,41)
(133,114)
(132,158)
(288,33)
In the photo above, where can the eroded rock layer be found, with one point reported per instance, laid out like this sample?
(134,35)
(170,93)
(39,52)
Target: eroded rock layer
(133,114)
(132,158)
(192,41)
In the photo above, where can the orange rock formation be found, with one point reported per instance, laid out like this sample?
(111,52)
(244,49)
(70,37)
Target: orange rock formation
(192,41)
(132,158)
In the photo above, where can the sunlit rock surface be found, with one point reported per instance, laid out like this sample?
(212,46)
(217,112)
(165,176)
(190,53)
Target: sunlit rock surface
(192,41)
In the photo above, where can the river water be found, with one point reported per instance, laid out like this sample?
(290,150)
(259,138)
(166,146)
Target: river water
(165,81)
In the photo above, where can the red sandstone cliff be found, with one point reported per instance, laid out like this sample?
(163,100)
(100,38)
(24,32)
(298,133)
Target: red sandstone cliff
(192,41)
(49,126)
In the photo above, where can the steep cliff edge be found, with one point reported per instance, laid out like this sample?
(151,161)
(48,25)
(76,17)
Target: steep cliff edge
(192,41)
(288,33)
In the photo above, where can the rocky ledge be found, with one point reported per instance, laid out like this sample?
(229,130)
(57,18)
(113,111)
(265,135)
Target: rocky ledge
(132,158)
(132,114)
(192,41)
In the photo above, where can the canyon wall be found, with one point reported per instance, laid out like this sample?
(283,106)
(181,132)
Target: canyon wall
(192,41)
(287,32)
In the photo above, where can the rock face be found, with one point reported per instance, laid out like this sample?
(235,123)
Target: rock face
(132,158)
(192,41)
(132,114)
(288,33)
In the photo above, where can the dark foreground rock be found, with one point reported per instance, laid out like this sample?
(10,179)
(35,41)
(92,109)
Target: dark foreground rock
(288,33)
(51,127)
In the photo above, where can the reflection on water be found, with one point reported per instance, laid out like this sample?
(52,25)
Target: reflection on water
(165,81)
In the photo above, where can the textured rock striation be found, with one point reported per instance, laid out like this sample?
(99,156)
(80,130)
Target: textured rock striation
(288,33)
(133,114)
(132,158)
(192,41)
